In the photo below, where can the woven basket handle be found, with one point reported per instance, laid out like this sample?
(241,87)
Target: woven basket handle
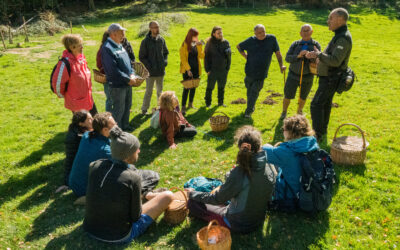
(180,190)
(220,113)
(209,227)
(354,125)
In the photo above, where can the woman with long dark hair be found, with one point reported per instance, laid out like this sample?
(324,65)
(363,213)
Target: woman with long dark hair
(191,52)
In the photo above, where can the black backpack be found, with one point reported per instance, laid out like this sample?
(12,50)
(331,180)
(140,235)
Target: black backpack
(67,65)
(317,179)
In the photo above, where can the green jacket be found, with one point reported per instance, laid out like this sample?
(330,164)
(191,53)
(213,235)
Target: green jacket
(336,55)
(248,196)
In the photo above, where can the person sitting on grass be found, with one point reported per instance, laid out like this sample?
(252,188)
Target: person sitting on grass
(114,212)
(94,145)
(173,124)
(299,138)
(81,122)
(248,187)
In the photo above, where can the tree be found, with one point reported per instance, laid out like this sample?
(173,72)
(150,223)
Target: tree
(91,5)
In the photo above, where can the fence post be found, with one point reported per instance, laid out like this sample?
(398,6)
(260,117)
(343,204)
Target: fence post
(26,31)
(2,39)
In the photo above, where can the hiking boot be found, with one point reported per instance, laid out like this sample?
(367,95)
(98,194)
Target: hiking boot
(247,115)
(283,115)
(144,112)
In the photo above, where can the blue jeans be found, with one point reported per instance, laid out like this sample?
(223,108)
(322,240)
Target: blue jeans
(121,103)
(108,99)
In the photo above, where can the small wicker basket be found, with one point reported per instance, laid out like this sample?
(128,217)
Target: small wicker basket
(191,83)
(99,77)
(214,237)
(177,210)
(349,150)
(313,68)
(219,123)
(141,72)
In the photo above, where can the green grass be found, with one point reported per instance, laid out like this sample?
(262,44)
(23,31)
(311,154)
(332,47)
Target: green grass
(365,208)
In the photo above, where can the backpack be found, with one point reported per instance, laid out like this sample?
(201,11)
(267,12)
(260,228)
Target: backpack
(67,65)
(203,184)
(317,179)
(155,119)
(346,80)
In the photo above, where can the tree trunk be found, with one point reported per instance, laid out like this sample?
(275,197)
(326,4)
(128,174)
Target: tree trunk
(91,5)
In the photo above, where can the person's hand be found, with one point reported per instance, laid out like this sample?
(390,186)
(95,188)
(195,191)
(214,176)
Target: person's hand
(189,189)
(283,68)
(189,73)
(199,43)
(132,81)
(277,144)
(302,53)
(173,146)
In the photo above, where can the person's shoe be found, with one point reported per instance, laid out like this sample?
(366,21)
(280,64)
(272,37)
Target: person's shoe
(191,105)
(283,115)
(222,105)
(300,112)
(183,110)
(144,112)
(208,106)
(247,115)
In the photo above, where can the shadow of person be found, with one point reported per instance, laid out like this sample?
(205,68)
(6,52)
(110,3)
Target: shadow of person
(278,134)
(53,145)
(185,238)
(200,117)
(138,120)
(42,178)
(152,144)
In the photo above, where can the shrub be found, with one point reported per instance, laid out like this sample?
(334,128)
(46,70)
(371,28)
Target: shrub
(165,21)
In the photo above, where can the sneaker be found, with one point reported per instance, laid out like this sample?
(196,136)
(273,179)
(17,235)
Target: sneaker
(208,106)
(144,112)
(247,115)
(283,115)
(222,105)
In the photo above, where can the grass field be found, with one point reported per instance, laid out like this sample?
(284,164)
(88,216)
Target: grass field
(365,208)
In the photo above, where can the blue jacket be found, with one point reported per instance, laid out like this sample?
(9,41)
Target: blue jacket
(116,64)
(90,149)
(286,158)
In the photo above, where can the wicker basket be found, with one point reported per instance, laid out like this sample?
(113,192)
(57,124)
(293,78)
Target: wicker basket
(349,150)
(99,77)
(214,237)
(313,68)
(177,210)
(141,73)
(191,83)
(219,123)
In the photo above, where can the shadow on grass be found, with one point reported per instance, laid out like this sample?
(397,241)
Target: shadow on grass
(227,135)
(278,135)
(201,116)
(43,176)
(138,120)
(53,145)
(149,150)
(186,237)
(233,10)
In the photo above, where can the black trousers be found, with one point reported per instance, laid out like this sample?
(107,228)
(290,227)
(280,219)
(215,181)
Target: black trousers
(220,77)
(186,132)
(189,92)
(321,104)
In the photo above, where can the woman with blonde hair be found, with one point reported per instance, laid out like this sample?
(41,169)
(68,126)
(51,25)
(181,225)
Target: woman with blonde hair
(72,79)
(190,52)
(173,124)
(299,138)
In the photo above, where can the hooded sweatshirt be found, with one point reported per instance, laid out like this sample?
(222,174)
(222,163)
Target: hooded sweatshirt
(286,158)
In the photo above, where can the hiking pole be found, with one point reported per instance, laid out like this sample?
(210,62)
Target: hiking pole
(301,78)
(284,77)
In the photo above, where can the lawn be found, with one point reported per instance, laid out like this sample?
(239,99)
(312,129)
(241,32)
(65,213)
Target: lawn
(365,208)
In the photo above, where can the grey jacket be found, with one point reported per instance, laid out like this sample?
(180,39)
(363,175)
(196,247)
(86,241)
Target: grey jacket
(153,54)
(248,196)
(295,63)
(337,54)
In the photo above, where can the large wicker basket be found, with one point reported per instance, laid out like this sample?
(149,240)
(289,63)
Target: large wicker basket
(219,123)
(191,83)
(177,210)
(313,68)
(141,73)
(99,77)
(349,150)
(214,237)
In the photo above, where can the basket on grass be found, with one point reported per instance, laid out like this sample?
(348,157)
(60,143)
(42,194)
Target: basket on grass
(349,150)
(313,68)
(219,122)
(191,83)
(214,237)
(177,210)
(141,73)
(99,77)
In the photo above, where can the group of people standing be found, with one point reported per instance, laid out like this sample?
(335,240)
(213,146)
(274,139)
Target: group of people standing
(100,155)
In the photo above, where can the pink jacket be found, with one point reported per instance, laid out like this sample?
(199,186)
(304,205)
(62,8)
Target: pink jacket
(79,92)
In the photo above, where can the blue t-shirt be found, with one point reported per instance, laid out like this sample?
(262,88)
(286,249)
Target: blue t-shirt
(90,149)
(259,54)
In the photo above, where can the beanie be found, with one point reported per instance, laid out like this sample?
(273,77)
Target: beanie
(123,144)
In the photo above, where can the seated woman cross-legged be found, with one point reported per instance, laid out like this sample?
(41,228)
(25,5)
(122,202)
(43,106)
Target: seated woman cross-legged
(299,138)
(173,124)
(248,187)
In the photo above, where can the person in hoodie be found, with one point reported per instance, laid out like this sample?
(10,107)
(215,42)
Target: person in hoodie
(74,86)
(248,187)
(299,138)
(153,54)
(217,62)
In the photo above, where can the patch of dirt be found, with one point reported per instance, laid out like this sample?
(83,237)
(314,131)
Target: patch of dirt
(239,101)
(269,91)
(269,101)
(275,94)
(335,105)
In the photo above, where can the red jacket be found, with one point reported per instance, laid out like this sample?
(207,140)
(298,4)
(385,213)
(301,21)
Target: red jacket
(170,122)
(79,92)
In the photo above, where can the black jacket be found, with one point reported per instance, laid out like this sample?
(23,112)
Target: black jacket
(153,54)
(295,63)
(217,55)
(113,199)
(72,140)
(128,47)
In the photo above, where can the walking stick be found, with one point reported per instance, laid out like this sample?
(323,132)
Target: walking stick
(284,77)
(301,78)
